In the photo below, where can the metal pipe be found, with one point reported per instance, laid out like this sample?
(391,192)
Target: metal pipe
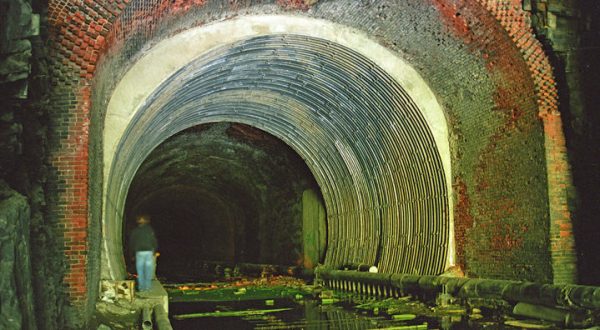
(567,295)
(162,318)
(541,312)
(147,318)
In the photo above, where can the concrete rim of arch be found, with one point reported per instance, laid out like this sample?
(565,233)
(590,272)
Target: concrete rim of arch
(170,55)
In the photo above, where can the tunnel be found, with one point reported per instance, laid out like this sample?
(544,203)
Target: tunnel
(423,137)
(366,126)
(229,193)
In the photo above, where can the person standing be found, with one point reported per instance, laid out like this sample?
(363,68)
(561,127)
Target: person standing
(143,244)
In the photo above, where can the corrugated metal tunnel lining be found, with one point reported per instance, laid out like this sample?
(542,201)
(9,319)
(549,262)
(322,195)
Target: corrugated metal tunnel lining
(367,144)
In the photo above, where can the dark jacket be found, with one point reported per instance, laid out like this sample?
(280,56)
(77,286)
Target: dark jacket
(142,238)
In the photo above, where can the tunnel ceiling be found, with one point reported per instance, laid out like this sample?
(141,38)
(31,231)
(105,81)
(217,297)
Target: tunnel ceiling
(220,160)
(365,141)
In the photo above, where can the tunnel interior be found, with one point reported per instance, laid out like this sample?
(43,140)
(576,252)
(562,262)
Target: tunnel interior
(376,149)
(224,192)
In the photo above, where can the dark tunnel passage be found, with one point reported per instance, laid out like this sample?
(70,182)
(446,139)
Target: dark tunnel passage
(225,193)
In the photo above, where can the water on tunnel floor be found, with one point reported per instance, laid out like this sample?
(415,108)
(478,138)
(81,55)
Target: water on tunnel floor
(301,314)
(311,313)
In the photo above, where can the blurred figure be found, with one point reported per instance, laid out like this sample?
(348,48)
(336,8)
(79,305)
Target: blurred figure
(143,245)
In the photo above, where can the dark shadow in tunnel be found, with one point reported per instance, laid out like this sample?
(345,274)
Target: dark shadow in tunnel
(225,193)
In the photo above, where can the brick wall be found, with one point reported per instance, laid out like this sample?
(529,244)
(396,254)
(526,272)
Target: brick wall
(73,159)
(564,257)
(77,30)
(571,30)
(501,220)
(517,22)
(501,213)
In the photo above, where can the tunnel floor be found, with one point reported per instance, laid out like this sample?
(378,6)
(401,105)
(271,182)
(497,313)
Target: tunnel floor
(284,302)
(342,311)
(225,295)
(274,300)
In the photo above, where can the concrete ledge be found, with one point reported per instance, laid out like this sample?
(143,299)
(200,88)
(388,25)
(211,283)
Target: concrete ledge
(125,311)
(157,295)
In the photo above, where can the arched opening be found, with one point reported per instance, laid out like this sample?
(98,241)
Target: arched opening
(230,193)
(364,122)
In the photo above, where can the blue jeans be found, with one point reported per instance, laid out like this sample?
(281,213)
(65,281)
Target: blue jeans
(144,264)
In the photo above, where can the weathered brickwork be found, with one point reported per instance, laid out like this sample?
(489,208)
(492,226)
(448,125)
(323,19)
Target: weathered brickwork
(503,233)
(517,22)
(570,29)
(77,32)
(82,31)
(559,179)
(69,158)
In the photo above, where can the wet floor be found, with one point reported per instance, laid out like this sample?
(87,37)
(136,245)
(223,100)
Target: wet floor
(310,313)
(287,314)
(282,302)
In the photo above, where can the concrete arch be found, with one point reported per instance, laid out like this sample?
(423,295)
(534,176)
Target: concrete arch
(146,93)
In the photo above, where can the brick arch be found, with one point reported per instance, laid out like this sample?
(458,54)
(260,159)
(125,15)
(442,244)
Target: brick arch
(516,21)
(137,89)
(82,32)
(466,19)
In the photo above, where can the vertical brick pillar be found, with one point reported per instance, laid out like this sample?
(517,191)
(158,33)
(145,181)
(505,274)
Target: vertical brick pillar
(77,32)
(71,163)
(562,242)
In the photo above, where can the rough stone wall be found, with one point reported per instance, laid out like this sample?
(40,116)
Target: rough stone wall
(18,24)
(492,107)
(28,229)
(16,306)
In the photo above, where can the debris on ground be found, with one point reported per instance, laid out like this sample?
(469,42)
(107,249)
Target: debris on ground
(229,313)
(267,288)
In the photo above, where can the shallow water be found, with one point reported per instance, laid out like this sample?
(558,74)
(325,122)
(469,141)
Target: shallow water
(303,314)
(312,314)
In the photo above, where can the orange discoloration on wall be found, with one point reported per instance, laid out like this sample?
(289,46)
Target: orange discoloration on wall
(451,13)
(184,5)
(460,19)
(296,4)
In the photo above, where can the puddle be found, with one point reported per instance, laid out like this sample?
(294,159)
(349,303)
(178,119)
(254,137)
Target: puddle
(302,314)
(310,313)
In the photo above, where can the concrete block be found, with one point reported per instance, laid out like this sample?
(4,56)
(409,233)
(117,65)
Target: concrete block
(111,291)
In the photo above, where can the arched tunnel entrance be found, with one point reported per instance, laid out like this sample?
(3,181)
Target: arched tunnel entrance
(365,123)
(231,193)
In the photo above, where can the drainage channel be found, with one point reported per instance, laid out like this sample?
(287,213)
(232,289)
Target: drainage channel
(313,307)
(284,314)
(283,302)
